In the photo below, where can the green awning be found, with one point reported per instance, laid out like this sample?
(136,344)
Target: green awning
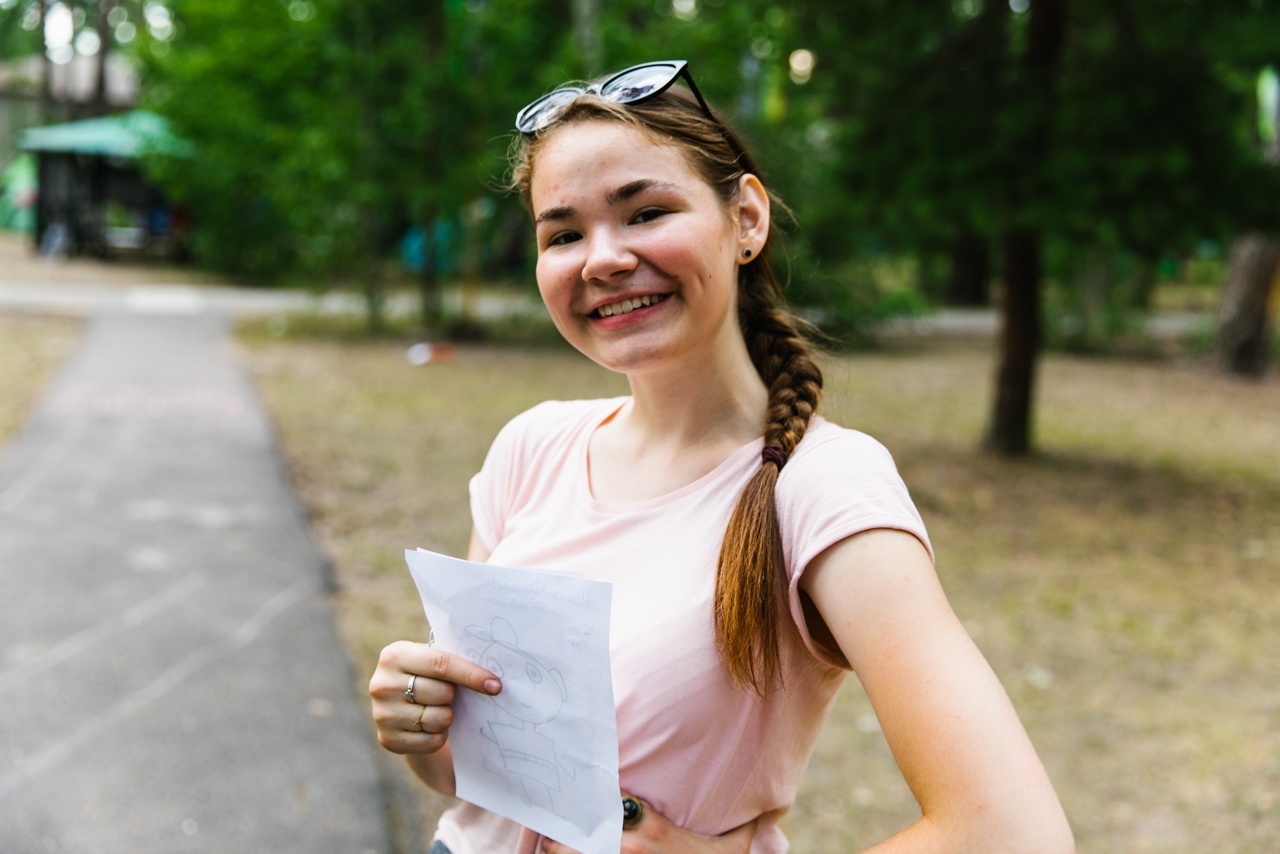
(126,136)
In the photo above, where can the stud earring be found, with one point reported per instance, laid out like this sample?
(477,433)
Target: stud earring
(746,253)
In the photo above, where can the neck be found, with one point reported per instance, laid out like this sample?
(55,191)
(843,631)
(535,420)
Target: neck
(683,420)
(722,399)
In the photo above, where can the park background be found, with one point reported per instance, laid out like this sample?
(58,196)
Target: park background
(1101,474)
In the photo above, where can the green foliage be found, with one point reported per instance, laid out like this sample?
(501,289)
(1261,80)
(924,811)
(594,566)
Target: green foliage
(19,32)
(1147,146)
(328,128)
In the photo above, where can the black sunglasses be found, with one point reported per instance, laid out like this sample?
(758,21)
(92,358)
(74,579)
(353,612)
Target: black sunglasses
(633,85)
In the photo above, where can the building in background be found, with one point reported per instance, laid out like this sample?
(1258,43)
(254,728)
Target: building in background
(92,197)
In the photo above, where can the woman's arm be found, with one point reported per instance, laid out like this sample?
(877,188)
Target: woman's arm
(948,721)
(425,747)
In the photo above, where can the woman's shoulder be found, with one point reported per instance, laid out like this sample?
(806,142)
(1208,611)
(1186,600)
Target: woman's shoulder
(826,443)
(837,483)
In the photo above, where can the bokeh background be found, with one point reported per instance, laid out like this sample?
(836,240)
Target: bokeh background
(1041,237)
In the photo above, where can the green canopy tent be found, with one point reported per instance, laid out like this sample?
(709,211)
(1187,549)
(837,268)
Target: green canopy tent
(92,195)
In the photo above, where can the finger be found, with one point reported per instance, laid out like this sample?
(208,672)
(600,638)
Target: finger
(434,663)
(399,715)
(429,719)
(388,687)
(400,741)
(550,846)
(458,671)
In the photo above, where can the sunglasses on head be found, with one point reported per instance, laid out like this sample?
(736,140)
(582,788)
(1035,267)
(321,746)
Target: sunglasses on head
(633,85)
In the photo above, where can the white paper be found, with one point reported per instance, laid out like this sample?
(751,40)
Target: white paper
(544,752)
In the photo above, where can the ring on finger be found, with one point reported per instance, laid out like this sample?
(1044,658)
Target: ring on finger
(408,692)
(418,723)
(632,812)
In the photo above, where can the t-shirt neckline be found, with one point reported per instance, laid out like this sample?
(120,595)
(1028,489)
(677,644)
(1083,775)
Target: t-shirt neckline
(727,466)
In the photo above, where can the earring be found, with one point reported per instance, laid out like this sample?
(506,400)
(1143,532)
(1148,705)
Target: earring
(746,253)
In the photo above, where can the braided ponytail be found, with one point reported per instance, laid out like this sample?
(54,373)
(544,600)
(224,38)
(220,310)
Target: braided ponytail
(751,578)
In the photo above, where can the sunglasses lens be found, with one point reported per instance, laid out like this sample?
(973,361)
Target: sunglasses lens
(545,110)
(637,84)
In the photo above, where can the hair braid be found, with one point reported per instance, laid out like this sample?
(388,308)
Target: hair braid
(751,580)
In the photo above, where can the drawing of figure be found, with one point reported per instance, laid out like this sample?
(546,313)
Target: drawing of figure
(532,695)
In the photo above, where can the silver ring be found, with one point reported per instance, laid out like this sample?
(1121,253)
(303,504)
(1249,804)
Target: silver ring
(408,692)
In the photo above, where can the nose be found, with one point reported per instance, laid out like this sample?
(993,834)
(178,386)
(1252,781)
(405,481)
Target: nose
(608,256)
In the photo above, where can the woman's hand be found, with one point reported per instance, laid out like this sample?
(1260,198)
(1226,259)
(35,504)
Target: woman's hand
(413,689)
(653,833)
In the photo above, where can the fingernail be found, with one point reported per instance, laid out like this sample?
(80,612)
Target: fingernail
(493,686)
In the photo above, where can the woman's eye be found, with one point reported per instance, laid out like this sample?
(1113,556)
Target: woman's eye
(563,238)
(648,215)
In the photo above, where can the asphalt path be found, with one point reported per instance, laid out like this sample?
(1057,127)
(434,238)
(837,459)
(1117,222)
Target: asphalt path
(170,677)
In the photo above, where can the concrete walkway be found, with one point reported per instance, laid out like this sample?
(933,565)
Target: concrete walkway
(170,680)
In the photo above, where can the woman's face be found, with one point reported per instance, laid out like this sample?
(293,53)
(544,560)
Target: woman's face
(637,256)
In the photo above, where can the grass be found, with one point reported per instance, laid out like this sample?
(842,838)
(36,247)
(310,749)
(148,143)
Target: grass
(31,347)
(1124,584)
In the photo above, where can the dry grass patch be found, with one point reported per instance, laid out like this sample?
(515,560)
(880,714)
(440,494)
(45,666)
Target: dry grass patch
(31,347)
(1124,584)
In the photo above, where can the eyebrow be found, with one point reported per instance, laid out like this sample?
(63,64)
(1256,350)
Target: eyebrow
(613,197)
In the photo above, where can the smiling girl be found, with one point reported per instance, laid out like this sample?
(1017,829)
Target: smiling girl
(758,552)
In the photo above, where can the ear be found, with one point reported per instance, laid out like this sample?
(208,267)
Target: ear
(753,216)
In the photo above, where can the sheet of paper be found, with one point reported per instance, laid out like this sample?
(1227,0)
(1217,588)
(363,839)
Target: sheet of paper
(544,752)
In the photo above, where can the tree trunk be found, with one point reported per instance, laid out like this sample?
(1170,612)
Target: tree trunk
(586,30)
(369,265)
(431,308)
(46,68)
(1244,317)
(375,298)
(968,283)
(100,105)
(434,33)
(1009,430)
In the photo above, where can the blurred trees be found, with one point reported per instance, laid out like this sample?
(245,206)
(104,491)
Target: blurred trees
(1063,134)
(329,129)
(1078,141)
(56,30)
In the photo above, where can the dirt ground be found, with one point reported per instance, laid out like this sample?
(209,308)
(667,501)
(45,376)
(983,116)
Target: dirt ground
(1124,583)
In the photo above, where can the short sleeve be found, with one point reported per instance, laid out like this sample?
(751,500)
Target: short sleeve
(838,483)
(493,487)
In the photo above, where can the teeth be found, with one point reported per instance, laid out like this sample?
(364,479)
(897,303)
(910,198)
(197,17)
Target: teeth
(627,305)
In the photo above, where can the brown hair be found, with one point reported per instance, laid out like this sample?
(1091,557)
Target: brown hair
(751,579)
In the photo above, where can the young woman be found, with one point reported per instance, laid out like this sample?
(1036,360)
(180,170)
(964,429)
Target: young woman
(757,551)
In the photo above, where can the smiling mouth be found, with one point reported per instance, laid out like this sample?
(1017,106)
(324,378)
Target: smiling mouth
(627,306)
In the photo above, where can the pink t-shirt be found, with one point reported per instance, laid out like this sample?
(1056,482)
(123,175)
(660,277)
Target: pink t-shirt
(705,753)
